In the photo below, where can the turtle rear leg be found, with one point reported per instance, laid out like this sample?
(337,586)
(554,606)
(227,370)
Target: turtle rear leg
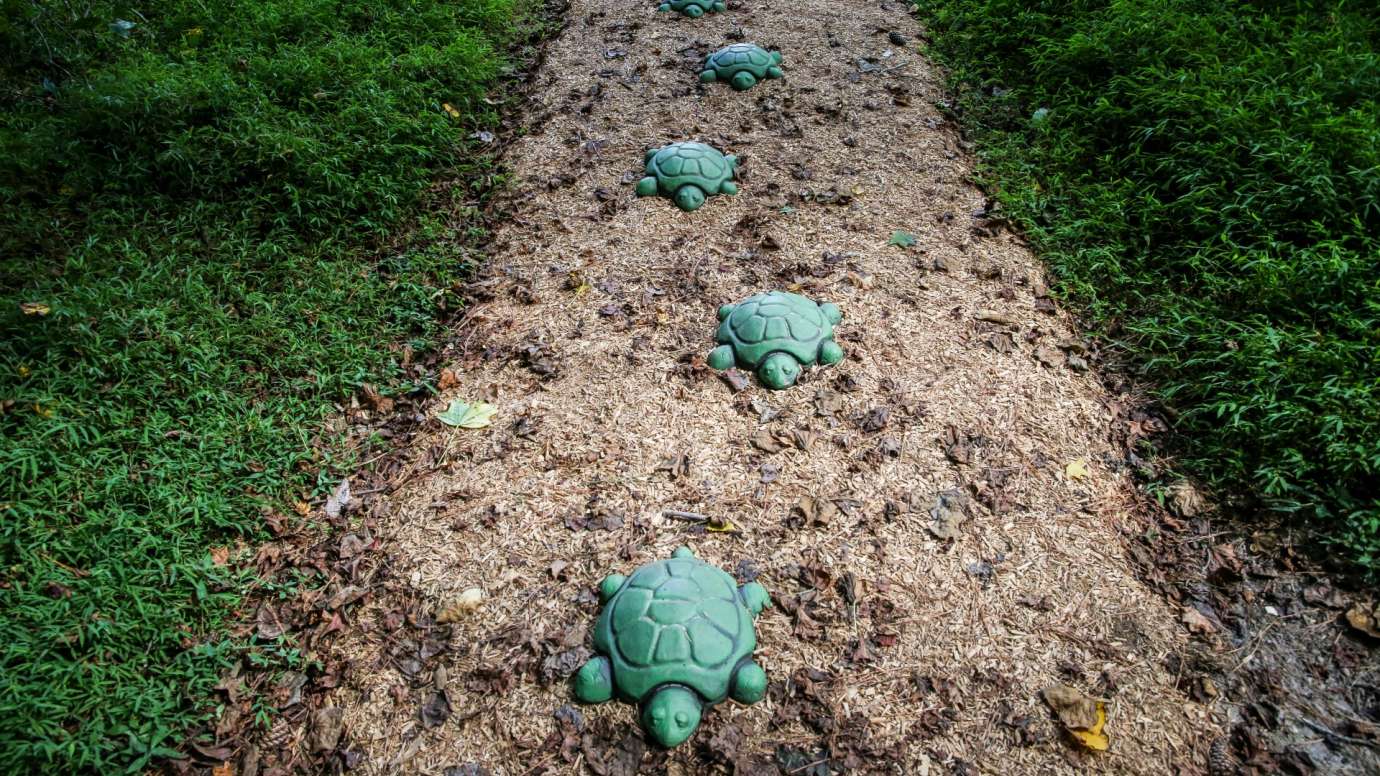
(609,586)
(721,7)
(708,76)
(775,72)
(721,358)
(728,187)
(594,680)
(749,683)
(743,81)
(755,597)
(694,11)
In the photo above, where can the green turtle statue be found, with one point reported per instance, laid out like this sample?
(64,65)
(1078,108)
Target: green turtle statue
(742,65)
(675,637)
(688,173)
(694,8)
(775,334)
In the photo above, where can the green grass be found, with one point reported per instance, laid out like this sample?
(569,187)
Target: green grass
(1204,180)
(218,204)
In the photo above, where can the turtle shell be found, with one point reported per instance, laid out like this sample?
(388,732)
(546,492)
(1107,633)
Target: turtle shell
(680,5)
(677,164)
(678,620)
(776,321)
(739,57)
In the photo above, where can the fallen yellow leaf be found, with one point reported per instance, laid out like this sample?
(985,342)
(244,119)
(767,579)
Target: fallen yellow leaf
(450,109)
(1093,737)
(1076,470)
(720,525)
(1081,716)
(34,308)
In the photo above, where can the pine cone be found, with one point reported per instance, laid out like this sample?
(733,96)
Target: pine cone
(278,736)
(1221,762)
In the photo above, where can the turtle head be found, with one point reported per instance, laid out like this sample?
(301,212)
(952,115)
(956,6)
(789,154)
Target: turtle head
(672,715)
(779,370)
(689,197)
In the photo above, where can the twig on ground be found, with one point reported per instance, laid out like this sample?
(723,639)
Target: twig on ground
(1330,733)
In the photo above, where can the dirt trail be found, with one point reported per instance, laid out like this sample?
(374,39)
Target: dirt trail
(903,651)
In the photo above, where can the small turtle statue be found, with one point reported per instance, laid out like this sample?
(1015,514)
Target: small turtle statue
(742,65)
(675,637)
(775,334)
(694,8)
(688,173)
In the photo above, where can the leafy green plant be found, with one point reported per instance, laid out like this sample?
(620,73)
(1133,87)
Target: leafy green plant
(195,197)
(1204,180)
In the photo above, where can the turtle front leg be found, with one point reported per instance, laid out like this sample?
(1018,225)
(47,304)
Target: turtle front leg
(830,352)
(749,683)
(594,680)
(743,81)
(647,186)
(832,312)
(694,11)
(721,7)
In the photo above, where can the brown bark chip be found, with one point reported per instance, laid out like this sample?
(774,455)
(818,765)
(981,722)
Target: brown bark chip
(915,659)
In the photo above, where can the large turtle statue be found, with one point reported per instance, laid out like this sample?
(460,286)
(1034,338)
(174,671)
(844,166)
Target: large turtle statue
(742,65)
(775,334)
(688,173)
(675,637)
(693,8)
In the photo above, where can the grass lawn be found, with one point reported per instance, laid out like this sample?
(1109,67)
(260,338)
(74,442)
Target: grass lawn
(1204,180)
(209,235)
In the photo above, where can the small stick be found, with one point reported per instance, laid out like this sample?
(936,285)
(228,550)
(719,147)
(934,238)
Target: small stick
(1330,733)
(689,517)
